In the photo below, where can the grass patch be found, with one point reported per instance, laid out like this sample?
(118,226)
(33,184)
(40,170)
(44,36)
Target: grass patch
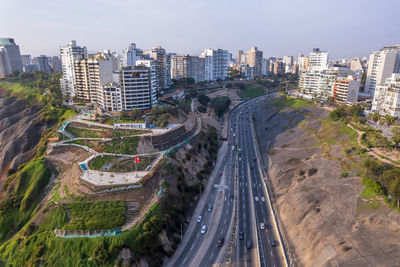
(252,92)
(372,188)
(82,130)
(284,101)
(372,138)
(126,145)
(98,162)
(95,215)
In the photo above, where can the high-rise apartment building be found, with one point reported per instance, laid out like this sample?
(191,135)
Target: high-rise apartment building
(154,82)
(69,54)
(345,90)
(13,53)
(303,63)
(56,64)
(216,64)
(355,65)
(254,59)
(288,60)
(130,55)
(43,62)
(318,60)
(241,58)
(5,66)
(386,99)
(163,68)
(92,74)
(187,66)
(136,87)
(381,65)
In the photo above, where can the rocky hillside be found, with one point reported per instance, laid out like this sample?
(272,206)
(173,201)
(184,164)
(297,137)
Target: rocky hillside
(21,126)
(315,167)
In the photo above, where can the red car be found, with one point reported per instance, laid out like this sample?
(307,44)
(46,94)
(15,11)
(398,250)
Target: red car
(230,142)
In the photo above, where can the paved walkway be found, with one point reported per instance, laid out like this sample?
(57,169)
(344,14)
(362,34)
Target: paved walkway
(105,178)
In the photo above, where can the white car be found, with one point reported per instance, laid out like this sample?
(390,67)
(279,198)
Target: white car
(234,134)
(262,199)
(256,198)
(203,229)
(262,226)
(233,147)
(199,219)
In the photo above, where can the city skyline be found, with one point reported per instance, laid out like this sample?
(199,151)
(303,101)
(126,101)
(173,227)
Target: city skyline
(277,29)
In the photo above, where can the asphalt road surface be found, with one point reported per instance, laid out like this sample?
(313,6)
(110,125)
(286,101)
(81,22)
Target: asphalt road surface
(259,247)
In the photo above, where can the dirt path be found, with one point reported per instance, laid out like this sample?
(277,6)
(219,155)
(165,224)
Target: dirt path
(371,151)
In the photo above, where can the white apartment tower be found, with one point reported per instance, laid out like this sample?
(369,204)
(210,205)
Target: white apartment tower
(131,55)
(318,60)
(154,83)
(136,88)
(68,55)
(163,65)
(5,66)
(381,65)
(216,64)
(387,96)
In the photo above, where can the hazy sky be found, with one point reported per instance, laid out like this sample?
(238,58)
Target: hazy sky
(345,28)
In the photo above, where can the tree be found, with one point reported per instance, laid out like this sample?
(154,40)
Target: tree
(136,114)
(389,120)
(396,136)
(375,117)
(100,254)
(203,99)
(394,190)
(220,105)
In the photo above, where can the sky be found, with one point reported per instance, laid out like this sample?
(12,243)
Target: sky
(344,28)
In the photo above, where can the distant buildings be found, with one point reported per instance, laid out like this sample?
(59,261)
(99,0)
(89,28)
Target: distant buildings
(317,80)
(356,65)
(276,66)
(69,54)
(130,55)
(381,65)
(26,59)
(216,63)
(188,66)
(5,66)
(44,63)
(10,58)
(387,96)
(163,65)
(254,59)
(56,64)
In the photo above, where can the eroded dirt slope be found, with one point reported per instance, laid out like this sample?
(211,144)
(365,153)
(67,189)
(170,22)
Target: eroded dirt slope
(321,213)
(20,131)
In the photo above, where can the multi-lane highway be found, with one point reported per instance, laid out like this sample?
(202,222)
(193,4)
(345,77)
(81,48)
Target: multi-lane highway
(254,219)
(255,243)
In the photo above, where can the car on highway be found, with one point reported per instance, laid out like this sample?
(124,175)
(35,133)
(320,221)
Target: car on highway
(248,244)
(225,159)
(262,226)
(199,219)
(256,198)
(220,242)
(262,199)
(203,229)
(240,159)
(220,173)
(233,147)
(234,134)
(210,207)
(273,243)
(231,196)
(230,142)
(254,159)
(241,235)
(233,165)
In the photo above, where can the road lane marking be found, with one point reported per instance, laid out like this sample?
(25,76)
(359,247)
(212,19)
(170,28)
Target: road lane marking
(212,254)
